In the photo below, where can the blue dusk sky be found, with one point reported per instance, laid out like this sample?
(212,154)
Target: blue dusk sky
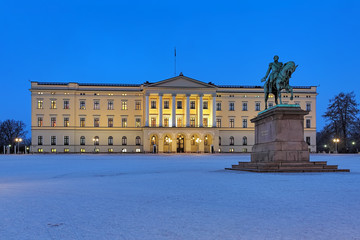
(224,42)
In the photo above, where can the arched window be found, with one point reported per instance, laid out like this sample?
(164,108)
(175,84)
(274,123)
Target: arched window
(124,140)
(96,140)
(206,140)
(231,140)
(138,140)
(153,140)
(192,140)
(244,140)
(110,140)
(219,141)
(82,140)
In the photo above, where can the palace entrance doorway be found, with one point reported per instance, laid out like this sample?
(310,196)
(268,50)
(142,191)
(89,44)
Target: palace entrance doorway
(180,144)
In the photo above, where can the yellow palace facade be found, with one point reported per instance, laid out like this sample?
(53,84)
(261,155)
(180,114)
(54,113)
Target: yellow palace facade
(175,115)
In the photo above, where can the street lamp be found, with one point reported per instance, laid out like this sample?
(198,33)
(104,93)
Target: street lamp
(18,140)
(336,141)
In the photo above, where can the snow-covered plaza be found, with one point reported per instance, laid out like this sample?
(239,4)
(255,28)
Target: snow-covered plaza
(173,197)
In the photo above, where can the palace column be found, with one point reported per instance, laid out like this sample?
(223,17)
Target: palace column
(187,110)
(214,109)
(160,110)
(147,110)
(173,111)
(201,110)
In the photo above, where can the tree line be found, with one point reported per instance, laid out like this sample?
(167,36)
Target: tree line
(343,123)
(11,129)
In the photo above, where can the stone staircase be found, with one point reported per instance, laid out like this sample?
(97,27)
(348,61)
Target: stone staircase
(286,166)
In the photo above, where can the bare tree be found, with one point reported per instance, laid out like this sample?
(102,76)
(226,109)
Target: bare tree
(11,129)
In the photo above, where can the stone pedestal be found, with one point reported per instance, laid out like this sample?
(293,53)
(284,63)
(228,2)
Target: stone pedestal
(279,143)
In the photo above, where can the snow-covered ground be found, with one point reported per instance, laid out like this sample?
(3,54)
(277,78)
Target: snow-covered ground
(173,197)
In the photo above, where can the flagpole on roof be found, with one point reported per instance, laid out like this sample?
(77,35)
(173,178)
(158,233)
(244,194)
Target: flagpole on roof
(175,61)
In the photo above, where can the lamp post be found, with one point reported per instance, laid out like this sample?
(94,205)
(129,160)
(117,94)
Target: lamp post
(336,141)
(18,140)
(354,143)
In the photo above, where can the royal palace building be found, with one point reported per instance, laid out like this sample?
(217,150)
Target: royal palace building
(175,115)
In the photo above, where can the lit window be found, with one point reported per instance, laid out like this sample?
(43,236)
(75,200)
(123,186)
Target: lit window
(53,150)
(53,104)
(82,122)
(124,122)
(166,122)
(82,104)
(82,150)
(124,105)
(66,122)
(192,122)
(179,122)
(123,150)
(138,150)
(137,105)
(40,121)
(137,122)
(218,122)
(96,140)
(53,121)
(232,123)
(153,122)
(231,150)
(40,150)
(205,122)
(66,150)
(110,150)
(40,104)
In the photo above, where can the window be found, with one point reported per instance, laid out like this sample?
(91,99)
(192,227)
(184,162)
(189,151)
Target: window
(40,140)
(53,140)
(308,140)
(206,142)
(40,104)
(96,104)
(257,106)
(53,104)
(166,122)
(66,140)
(124,140)
(96,122)
(205,105)
(192,104)
(110,105)
(244,123)
(232,142)
(231,106)
(40,150)
(218,122)
(53,150)
(123,150)
(53,121)
(232,123)
(138,122)
(179,104)
(110,122)
(82,104)
(110,140)
(219,141)
(96,140)
(205,122)
(110,150)
(271,105)
(40,121)
(82,140)
(244,106)
(153,122)
(82,150)
(123,122)
(218,106)
(244,140)
(137,105)
(66,150)
(231,150)
(66,122)
(137,140)
(153,104)
(82,122)
(166,104)
(192,122)
(179,122)
(308,123)
(66,104)
(308,107)
(124,105)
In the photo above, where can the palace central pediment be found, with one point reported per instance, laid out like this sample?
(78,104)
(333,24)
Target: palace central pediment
(181,82)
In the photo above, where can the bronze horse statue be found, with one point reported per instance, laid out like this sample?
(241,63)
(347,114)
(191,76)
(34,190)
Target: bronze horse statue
(280,83)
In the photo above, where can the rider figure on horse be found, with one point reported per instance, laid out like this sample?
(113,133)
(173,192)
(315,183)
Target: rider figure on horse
(275,67)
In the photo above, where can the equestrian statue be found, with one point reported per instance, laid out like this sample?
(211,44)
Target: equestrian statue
(278,79)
